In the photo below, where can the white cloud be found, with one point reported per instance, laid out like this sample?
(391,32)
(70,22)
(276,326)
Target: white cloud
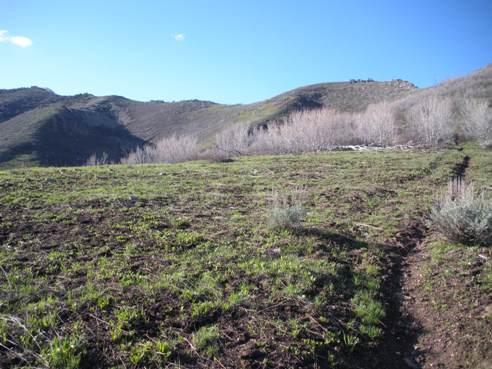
(21,41)
(3,35)
(179,37)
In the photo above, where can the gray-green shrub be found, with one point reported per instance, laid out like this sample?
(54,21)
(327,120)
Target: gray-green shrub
(287,209)
(464,215)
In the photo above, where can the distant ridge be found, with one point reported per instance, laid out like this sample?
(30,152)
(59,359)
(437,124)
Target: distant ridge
(39,127)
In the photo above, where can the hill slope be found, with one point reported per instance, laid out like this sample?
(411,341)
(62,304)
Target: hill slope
(475,85)
(38,127)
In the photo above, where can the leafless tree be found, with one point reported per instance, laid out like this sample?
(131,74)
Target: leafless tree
(95,159)
(477,119)
(377,125)
(172,149)
(430,121)
(233,141)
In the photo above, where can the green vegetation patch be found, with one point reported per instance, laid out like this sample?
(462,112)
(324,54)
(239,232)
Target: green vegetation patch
(168,265)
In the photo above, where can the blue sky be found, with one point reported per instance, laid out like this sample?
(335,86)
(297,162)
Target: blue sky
(236,51)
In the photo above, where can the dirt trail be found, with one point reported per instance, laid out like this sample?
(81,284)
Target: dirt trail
(449,312)
(413,336)
(397,351)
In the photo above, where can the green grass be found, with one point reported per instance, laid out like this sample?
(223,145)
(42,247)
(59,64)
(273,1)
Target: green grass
(148,266)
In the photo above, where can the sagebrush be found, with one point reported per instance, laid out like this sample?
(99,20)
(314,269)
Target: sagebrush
(287,208)
(464,215)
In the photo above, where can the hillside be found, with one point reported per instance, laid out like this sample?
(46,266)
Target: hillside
(18,101)
(38,127)
(475,85)
(175,266)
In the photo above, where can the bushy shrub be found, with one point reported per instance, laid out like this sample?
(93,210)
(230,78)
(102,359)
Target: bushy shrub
(95,159)
(464,215)
(287,209)
(172,149)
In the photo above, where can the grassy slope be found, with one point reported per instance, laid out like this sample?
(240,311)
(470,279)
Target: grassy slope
(55,135)
(475,85)
(17,101)
(148,266)
(17,139)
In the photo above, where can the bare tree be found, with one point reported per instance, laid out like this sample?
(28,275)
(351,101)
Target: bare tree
(172,149)
(234,141)
(141,155)
(95,159)
(430,121)
(477,119)
(377,125)
(306,131)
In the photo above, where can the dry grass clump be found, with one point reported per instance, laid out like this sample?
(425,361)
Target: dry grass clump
(464,215)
